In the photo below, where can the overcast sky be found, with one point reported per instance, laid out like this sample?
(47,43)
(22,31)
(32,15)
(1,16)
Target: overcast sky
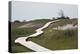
(31,10)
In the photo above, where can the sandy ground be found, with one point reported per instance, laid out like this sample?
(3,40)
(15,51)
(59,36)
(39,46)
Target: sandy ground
(65,27)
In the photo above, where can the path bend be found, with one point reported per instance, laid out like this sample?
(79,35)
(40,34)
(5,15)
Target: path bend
(31,45)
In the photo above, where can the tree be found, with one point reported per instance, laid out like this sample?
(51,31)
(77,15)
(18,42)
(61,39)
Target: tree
(61,14)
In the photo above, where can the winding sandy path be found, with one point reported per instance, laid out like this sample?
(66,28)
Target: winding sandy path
(31,45)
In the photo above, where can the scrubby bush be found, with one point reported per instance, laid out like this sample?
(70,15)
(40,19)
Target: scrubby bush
(67,17)
(53,18)
(16,21)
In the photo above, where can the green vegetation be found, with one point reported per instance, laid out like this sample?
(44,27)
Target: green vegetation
(22,32)
(58,39)
(52,39)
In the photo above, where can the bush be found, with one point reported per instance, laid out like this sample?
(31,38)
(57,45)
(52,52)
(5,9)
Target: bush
(67,17)
(53,18)
(16,21)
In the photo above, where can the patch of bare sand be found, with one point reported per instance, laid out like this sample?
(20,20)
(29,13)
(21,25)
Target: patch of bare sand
(28,25)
